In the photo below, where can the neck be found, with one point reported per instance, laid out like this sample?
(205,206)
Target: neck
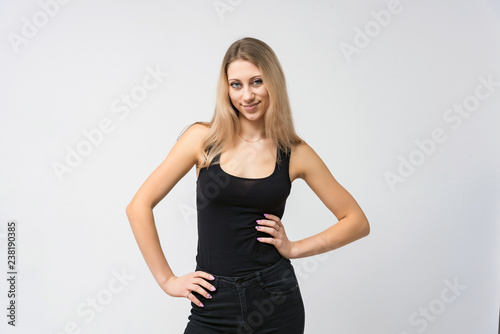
(252,131)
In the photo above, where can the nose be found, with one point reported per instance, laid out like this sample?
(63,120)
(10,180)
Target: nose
(248,95)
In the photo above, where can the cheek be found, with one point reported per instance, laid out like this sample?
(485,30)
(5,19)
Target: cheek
(265,96)
(233,97)
(264,92)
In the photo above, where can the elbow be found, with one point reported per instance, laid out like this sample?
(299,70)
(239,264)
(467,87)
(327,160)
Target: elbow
(130,209)
(136,209)
(364,227)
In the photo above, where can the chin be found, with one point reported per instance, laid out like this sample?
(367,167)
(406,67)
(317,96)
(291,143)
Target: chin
(252,117)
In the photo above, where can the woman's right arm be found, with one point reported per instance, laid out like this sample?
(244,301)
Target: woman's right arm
(183,156)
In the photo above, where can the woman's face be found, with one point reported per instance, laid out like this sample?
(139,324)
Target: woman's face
(247,91)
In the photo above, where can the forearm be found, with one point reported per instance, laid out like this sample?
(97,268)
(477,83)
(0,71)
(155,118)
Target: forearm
(143,226)
(345,231)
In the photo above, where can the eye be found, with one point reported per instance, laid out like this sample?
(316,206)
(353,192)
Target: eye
(257,82)
(235,85)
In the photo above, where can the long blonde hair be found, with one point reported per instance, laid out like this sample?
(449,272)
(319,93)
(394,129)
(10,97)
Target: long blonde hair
(225,125)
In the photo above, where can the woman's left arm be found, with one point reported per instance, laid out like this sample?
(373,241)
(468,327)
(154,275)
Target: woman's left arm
(352,223)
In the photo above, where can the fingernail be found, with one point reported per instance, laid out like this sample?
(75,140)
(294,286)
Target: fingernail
(266,214)
(257,227)
(201,305)
(258,220)
(212,288)
(209,296)
(212,278)
(258,239)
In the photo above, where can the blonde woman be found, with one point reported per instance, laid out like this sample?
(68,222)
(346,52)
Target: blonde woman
(246,159)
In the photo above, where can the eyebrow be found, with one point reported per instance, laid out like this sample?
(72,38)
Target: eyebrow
(255,76)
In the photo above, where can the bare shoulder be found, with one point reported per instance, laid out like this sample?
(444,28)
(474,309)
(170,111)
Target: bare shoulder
(194,135)
(181,158)
(196,131)
(303,160)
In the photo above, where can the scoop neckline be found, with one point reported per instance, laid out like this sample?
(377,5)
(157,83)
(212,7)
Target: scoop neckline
(253,178)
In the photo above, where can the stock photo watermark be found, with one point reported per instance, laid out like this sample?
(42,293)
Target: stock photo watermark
(454,117)
(30,27)
(12,286)
(430,312)
(121,107)
(223,6)
(310,265)
(266,308)
(87,310)
(372,29)
(211,189)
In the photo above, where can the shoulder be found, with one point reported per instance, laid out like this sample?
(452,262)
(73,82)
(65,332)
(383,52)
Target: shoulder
(303,161)
(196,130)
(194,134)
(191,139)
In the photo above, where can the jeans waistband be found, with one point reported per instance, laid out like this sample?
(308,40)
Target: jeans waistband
(252,277)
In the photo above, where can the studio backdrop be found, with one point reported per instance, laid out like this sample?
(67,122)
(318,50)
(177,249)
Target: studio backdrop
(400,99)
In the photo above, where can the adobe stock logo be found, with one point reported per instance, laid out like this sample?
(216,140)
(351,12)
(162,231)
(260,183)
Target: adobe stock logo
(429,313)
(211,189)
(223,6)
(427,146)
(31,27)
(88,310)
(122,107)
(363,37)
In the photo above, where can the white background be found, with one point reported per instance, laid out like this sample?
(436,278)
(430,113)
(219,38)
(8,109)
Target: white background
(361,113)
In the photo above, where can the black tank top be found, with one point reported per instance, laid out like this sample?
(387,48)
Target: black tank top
(228,207)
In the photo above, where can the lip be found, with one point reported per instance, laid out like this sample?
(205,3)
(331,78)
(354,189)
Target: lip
(250,107)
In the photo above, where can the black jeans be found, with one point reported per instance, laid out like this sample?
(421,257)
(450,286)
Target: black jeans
(267,301)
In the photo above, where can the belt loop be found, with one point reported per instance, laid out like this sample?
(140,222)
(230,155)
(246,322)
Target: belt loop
(259,279)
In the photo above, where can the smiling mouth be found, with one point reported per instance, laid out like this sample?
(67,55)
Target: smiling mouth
(250,105)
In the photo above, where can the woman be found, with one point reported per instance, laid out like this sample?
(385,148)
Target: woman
(246,159)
